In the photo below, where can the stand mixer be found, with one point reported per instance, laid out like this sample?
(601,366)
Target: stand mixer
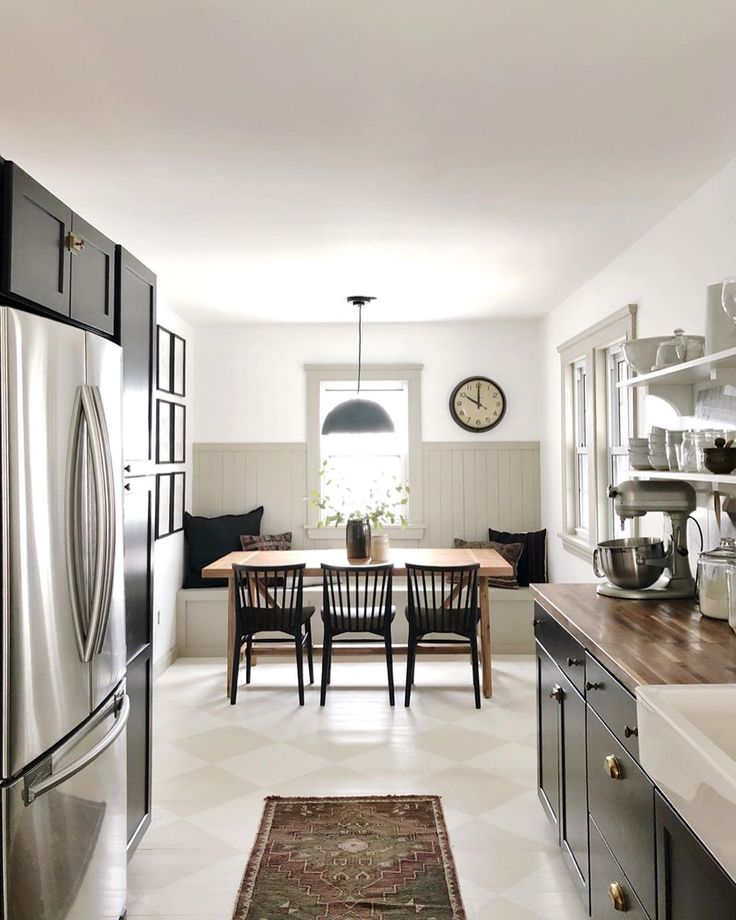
(633,565)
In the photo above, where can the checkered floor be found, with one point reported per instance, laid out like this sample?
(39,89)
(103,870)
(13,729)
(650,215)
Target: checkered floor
(214,763)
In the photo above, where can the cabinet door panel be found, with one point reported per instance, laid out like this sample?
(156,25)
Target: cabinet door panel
(574,787)
(93,278)
(548,735)
(136,305)
(690,884)
(607,882)
(623,808)
(37,256)
(139,747)
(138,540)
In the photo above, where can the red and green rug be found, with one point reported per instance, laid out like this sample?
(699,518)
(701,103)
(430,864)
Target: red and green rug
(357,858)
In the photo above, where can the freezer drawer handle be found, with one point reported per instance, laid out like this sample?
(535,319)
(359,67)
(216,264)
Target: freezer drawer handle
(45,779)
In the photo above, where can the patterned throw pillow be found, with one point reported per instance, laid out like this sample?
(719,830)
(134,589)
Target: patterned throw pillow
(273,541)
(533,563)
(511,552)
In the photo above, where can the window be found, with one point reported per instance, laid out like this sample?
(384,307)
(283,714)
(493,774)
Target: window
(619,429)
(361,461)
(580,423)
(597,419)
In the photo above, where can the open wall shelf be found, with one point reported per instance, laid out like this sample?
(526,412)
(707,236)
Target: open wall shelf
(716,483)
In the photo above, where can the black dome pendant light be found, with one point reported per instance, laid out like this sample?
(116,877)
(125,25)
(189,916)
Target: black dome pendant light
(358,416)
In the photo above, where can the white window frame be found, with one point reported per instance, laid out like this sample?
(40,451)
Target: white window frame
(591,347)
(411,374)
(581,409)
(614,447)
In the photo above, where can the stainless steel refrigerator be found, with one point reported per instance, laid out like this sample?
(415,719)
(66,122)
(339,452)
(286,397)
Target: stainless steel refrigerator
(63,706)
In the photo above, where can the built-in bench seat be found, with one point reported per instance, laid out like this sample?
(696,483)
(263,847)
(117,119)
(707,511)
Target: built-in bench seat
(201,619)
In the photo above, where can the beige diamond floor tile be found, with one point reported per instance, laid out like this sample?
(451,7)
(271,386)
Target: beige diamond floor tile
(273,764)
(459,744)
(513,761)
(481,836)
(470,790)
(549,905)
(171,760)
(522,815)
(235,823)
(220,744)
(200,789)
(396,759)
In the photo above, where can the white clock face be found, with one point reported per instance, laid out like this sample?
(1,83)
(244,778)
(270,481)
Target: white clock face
(477,404)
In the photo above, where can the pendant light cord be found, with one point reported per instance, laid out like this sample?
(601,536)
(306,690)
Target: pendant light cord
(360,340)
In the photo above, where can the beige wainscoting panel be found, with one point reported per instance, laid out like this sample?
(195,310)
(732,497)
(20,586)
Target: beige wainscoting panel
(466,487)
(471,487)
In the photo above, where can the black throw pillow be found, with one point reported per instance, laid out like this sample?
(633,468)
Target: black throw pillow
(207,539)
(533,562)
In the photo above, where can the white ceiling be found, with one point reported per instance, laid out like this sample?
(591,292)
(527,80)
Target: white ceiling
(456,159)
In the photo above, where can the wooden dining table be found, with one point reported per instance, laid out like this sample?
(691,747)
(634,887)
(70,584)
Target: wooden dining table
(492,565)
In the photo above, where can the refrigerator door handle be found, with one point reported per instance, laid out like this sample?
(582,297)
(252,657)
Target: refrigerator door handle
(107,525)
(44,778)
(75,562)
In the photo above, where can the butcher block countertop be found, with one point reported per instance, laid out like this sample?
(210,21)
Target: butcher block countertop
(644,642)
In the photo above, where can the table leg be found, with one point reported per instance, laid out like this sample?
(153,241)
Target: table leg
(485,637)
(230,630)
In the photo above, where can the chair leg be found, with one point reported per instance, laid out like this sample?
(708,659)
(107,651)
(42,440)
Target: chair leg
(410,656)
(248,658)
(300,664)
(236,668)
(390,667)
(476,671)
(326,657)
(329,663)
(310,650)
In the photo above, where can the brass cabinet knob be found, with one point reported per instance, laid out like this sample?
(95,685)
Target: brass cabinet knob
(74,243)
(628,732)
(572,662)
(594,686)
(557,693)
(617,896)
(613,767)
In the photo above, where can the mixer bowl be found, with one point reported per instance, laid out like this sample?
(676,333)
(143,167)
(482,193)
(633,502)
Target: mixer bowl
(626,562)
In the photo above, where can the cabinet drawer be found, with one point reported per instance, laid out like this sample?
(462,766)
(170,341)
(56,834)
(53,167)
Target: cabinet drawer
(613,703)
(621,800)
(567,653)
(610,891)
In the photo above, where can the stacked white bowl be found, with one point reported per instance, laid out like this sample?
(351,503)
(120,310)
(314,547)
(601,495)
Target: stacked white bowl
(658,449)
(639,454)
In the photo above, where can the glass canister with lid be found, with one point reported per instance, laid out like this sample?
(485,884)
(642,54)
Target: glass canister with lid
(715,568)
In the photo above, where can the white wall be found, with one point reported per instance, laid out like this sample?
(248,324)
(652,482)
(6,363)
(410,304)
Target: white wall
(250,380)
(168,553)
(666,273)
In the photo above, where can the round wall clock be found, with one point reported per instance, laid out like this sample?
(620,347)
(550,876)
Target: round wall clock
(477,404)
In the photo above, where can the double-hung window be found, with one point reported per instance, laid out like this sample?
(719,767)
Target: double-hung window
(598,418)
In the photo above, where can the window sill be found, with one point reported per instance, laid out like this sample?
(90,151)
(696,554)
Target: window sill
(395,534)
(577,547)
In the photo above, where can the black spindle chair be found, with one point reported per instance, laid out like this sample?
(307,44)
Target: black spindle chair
(270,599)
(356,600)
(444,600)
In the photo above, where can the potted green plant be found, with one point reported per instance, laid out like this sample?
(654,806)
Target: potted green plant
(383,506)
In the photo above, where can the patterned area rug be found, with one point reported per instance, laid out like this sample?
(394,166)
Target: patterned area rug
(377,857)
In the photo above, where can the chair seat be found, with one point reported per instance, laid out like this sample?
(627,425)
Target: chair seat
(441,620)
(357,617)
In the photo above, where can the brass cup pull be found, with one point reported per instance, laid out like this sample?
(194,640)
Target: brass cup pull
(628,732)
(613,767)
(557,693)
(617,896)
(74,243)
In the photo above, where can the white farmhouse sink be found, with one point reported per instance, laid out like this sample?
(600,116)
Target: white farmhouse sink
(687,745)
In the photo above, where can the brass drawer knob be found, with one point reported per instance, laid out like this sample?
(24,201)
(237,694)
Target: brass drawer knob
(557,693)
(628,732)
(613,767)
(593,686)
(617,896)
(573,662)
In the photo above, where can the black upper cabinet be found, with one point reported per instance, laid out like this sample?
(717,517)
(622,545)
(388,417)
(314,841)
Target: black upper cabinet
(93,276)
(690,883)
(37,259)
(136,309)
(54,259)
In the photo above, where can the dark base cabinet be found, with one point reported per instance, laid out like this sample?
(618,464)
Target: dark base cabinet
(139,680)
(610,891)
(690,883)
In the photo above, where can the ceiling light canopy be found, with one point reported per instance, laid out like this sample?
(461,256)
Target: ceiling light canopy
(358,416)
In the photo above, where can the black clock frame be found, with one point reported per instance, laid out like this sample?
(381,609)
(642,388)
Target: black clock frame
(459,387)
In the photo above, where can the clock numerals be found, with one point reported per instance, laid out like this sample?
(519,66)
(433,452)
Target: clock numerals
(477,404)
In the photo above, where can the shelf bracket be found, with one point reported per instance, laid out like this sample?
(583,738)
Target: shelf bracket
(679,395)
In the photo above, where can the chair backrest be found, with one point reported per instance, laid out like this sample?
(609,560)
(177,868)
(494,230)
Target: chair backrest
(443,598)
(269,597)
(357,599)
